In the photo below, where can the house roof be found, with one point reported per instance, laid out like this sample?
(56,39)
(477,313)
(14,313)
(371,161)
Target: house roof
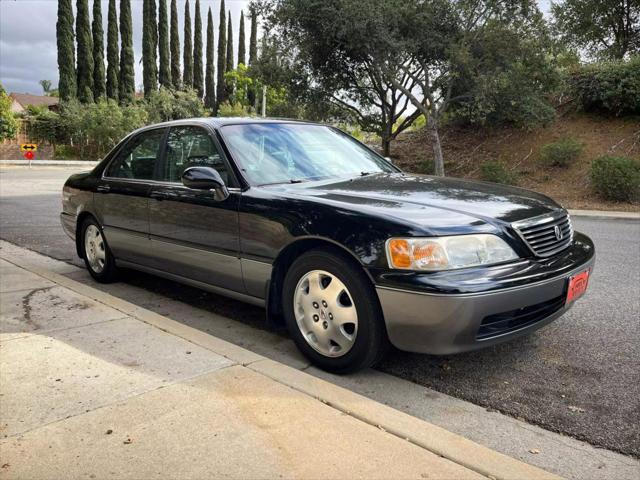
(25,99)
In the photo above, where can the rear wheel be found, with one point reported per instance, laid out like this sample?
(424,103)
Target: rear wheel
(97,257)
(332,312)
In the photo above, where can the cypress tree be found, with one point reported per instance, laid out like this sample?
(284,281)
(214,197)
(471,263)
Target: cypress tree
(99,87)
(210,87)
(222,51)
(149,47)
(112,51)
(127,83)
(187,73)
(229,67)
(253,51)
(85,52)
(164,74)
(176,79)
(198,74)
(253,39)
(242,56)
(66,51)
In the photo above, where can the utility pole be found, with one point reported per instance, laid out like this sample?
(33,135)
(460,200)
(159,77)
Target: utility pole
(264,101)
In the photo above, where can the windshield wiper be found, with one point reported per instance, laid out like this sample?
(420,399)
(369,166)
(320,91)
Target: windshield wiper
(291,180)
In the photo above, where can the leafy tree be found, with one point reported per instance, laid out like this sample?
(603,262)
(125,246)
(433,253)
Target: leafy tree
(291,90)
(113,70)
(459,51)
(176,79)
(85,52)
(242,56)
(253,49)
(66,51)
(506,74)
(149,47)
(164,73)
(343,58)
(46,86)
(229,56)
(210,87)
(371,57)
(243,81)
(198,74)
(605,29)
(187,58)
(222,51)
(99,87)
(8,121)
(126,84)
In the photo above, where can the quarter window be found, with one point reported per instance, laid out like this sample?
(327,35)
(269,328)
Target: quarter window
(191,147)
(138,158)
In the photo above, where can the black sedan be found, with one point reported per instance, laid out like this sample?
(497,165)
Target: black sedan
(339,245)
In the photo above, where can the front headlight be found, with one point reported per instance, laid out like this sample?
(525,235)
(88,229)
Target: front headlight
(446,253)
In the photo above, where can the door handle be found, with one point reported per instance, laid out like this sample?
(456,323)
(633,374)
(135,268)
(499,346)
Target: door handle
(103,188)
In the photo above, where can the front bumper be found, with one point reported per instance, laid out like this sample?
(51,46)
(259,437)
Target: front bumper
(481,313)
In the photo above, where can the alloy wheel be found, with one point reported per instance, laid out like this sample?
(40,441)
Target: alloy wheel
(325,313)
(94,248)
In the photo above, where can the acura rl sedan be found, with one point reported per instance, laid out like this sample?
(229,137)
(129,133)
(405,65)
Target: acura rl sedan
(338,244)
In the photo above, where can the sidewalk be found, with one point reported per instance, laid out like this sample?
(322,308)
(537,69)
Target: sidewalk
(92,386)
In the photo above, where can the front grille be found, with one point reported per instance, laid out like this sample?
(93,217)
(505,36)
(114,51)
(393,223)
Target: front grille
(547,234)
(505,322)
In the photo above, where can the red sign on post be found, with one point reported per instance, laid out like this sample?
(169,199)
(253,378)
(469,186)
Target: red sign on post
(28,155)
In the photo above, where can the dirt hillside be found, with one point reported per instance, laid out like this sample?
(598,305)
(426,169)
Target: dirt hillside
(465,150)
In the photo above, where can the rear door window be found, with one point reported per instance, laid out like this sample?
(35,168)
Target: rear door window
(138,158)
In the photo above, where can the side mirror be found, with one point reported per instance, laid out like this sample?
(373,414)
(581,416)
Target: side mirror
(205,178)
(389,159)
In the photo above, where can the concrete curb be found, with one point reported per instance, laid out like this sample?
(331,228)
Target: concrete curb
(49,163)
(441,442)
(605,214)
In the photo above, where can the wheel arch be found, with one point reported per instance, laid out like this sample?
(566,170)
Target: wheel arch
(285,259)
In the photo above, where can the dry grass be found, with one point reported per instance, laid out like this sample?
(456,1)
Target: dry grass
(466,149)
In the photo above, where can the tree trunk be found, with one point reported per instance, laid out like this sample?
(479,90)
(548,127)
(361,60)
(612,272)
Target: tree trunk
(438,158)
(386,147)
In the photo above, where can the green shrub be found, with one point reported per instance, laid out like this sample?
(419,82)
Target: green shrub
(427,167)
(610,87)
(228,109)
(616,178)
(65,152)
(496,172)
(561,153)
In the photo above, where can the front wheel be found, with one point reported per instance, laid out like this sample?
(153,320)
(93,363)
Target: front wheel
(96,253)
(332,312)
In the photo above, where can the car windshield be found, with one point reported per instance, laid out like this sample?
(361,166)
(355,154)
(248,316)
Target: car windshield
(270,153)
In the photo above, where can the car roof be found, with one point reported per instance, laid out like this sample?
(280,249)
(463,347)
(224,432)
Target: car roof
(218,122)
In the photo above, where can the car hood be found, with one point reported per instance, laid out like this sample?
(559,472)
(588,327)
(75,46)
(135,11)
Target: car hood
(429,200)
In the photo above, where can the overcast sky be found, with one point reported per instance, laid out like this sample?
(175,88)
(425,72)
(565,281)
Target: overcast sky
(28,37)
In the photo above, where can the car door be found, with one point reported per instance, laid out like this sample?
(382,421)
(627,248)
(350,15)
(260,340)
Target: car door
(193,235)
(122,196)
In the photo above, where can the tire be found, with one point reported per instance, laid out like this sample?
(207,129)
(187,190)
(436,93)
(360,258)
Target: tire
(96,253)
(322,327)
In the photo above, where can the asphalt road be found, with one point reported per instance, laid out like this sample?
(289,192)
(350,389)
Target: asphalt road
(579,376)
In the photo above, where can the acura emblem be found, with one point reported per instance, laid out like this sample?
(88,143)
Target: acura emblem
(558,232)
